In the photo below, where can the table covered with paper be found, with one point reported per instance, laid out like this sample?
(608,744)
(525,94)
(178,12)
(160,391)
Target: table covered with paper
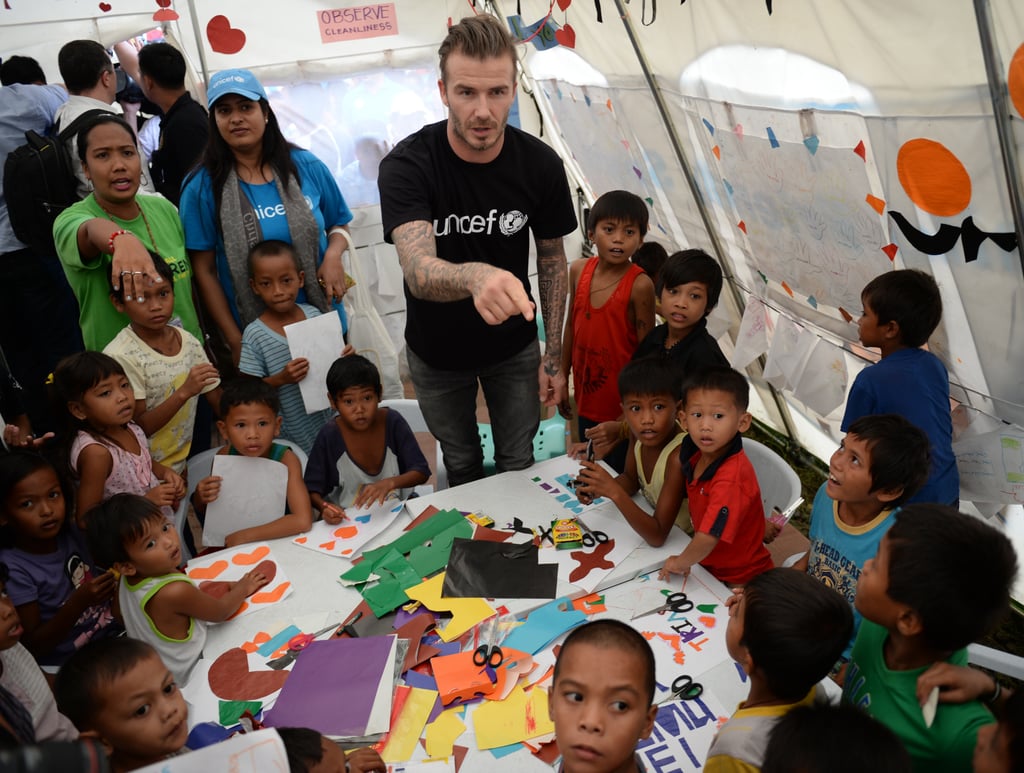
(400,597)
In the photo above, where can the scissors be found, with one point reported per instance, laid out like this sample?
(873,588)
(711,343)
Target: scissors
(677,602)
(489,653)
(590,537)
(300,641)
(684,689)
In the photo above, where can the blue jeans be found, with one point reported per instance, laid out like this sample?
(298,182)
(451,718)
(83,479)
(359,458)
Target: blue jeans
(448,401)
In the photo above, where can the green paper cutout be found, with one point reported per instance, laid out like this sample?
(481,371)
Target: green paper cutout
(396,574)
(427,559)
(423,533)
(231,711)
(707,608)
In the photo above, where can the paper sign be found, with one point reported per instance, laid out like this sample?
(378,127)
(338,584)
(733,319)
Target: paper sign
(261,750)
(212,574)
(319,340)
(372,20)
(752,339)
(683,732)
(340,687)
(253,491)
(345,539)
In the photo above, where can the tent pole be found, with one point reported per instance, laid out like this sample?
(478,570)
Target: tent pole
(1001,113)
(199,42)
(691,181)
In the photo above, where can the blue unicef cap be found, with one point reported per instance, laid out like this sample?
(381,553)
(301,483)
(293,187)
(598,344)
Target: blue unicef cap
(241,82)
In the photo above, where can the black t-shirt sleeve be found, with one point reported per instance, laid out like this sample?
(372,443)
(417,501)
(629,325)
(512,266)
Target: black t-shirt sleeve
(404,187)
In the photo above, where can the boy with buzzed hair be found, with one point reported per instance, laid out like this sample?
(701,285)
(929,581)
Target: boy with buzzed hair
(941,580)
(720,482)
(901,310)
(602,698)
(786,630)
(882,461)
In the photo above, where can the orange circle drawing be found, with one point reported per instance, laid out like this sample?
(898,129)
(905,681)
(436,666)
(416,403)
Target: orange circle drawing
(1015,80)
(933,177)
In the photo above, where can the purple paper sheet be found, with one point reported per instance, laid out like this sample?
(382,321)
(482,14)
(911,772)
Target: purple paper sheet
(333,685)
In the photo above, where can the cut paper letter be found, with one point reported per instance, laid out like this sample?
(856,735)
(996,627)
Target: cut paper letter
(253,492)
(320,341)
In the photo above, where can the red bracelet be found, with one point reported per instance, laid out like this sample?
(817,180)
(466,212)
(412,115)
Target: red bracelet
(110,241)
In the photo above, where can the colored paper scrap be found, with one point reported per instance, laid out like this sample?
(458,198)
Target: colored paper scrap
(811,143)
(231,678)
(340,687)
(861,151)
(890,250)
(395,575)
(444,731)
(427,559)
(875,203)
(465,612)
(517,718)
(406,732)
(460,679)
(498,570)
(543,626)
(413,630)
(230,711)
(245,751)
(771,137)
(590,605)
(276,642)
(409,540)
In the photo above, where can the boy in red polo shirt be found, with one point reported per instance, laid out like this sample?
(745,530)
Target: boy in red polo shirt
(725,500)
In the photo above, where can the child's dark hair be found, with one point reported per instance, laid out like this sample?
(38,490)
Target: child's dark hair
(622,206)
(650,376)
(15,466)
(692,266)
(72,378)
(795,629)
(302,746)
(908,297)
(651,257)
(246,390)
(807,738)
(900,455)
(927,543)
(112,525)
(99,662)
(162,269)
(613,634)
(721,379)
(272,248)
(353,371)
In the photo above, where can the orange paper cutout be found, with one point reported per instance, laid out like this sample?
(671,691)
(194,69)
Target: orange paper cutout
(208,572)
(742,226)
(933,177)
(269,597)
(875,203)
(786,288)
(890,250)
(247,559)
(718,152)
(1015,80)
(346,532)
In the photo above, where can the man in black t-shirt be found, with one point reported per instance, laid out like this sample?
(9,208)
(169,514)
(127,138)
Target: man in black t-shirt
(458,200)
(184,127)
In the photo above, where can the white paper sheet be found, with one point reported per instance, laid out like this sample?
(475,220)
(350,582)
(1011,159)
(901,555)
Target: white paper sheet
(262,750)
(346,539)
(253,491)
(320,341)
(231,564)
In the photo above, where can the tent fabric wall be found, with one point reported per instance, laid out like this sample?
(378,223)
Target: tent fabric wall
(815,195)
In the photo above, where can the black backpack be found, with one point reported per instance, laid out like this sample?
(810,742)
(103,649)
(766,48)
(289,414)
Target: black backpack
(40,183)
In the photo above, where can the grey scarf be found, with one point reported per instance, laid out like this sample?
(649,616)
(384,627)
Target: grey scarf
(241,230)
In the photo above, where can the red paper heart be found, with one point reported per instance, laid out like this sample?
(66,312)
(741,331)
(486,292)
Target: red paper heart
(231,679)
(165,14)
(215,588)
(164,3)
(268,569)
(565,36)
(563,4)
(224,39)
(105,7)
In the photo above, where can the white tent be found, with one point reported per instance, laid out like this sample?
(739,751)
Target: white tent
(809,144)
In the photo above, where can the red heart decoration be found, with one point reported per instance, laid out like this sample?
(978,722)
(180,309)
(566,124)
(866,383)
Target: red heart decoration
(269,570)
(563,4)
(165,14)
(231,679)
(566,36)
(224,39)
(215,588)
(164,3)
(105,7)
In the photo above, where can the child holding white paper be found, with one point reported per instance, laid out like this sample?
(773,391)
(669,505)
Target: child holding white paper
(276,278)
(366,453)
(160,603)
(250,422)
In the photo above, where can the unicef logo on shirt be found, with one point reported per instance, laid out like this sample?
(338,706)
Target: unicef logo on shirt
(511,222)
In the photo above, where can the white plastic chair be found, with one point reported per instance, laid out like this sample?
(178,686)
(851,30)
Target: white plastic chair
(780,486)
(413,415)
(199,467)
